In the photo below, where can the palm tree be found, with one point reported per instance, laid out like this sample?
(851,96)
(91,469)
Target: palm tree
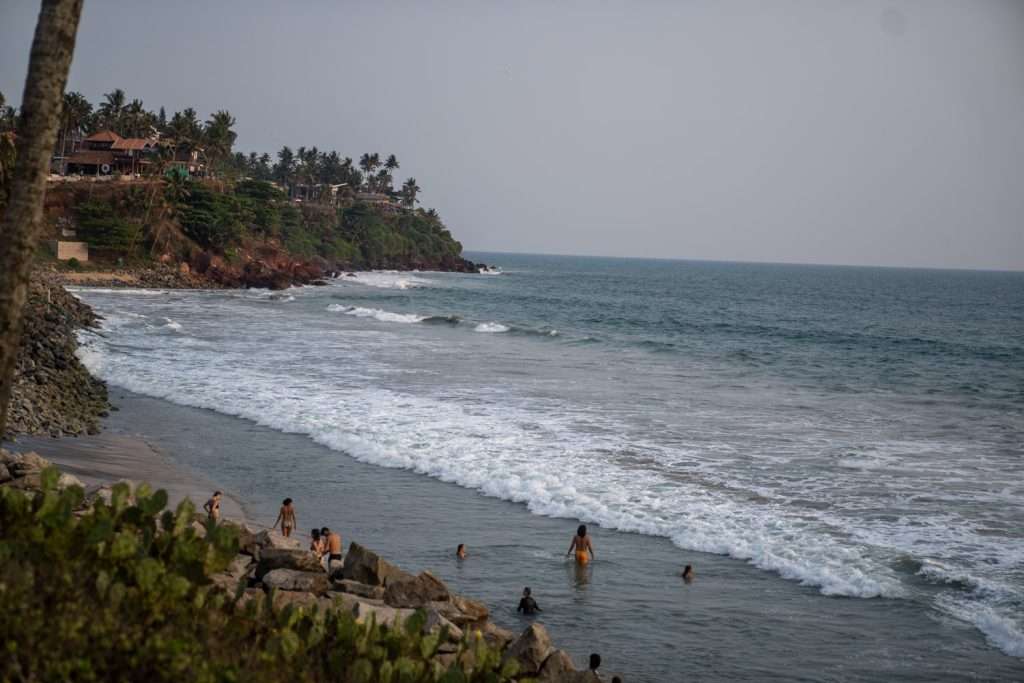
(48,65)
(409,191)
(392,163)
(74,115)
(111,109)
(218,136)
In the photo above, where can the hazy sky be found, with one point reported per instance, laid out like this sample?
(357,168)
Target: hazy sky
(825,131)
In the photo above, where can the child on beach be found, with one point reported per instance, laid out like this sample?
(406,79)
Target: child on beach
(286,518)
(527,605)
(212,507)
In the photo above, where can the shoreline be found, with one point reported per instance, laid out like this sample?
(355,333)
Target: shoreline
(627,605)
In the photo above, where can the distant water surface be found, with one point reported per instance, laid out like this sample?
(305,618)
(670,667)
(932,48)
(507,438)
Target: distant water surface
(857,431)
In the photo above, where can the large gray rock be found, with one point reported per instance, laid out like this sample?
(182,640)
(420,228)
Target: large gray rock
(5,474)
(66,481)
(436,621)
(287,558)
(24,463)
(292,580)
(364,610)
(361,589)
(268,539)
(365,566)
(497,636)
(557,668)
(470,611)
(530,649)
(415,592)
(239,566)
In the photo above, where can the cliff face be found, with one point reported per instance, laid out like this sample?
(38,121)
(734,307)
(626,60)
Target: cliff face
(247,234)
(53,394)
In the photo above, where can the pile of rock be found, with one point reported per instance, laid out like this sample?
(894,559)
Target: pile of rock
(371,587)
(24,471)
(52,392)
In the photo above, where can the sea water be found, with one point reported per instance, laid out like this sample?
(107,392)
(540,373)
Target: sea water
(830,433)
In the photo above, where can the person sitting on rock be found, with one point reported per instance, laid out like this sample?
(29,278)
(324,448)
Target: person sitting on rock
(460,552)
(286,518)
(582,545)
(333,548)
(527,605)
(595,663)
(317,544)
(212,506)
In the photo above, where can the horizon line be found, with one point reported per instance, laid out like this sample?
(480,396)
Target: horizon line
(746,262)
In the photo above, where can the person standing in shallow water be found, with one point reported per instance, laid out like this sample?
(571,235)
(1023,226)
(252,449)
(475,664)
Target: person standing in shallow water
(527,605)
(286,518)
(582,545)
(212,507)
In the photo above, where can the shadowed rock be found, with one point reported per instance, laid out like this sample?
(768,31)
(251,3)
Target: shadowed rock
(365,566)
(419,591)
(530,649)
(292,580)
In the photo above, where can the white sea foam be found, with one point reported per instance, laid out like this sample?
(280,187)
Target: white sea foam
(490,327)
(377,314)
(386,279)
(172,325)
(487,438)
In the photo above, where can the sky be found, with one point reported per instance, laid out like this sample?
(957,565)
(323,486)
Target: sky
(803,131)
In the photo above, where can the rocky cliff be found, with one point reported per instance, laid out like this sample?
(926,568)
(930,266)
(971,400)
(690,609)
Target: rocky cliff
(53,394)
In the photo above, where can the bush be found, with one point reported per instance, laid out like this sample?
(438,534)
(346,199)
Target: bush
(74,263)
(122,592)
(101,226)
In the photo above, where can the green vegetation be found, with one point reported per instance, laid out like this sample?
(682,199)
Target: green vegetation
(101,225)
(122,592)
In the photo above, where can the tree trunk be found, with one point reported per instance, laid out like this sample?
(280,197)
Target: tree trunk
(49,61)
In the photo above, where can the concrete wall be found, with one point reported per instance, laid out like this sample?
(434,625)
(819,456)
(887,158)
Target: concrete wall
(69,250)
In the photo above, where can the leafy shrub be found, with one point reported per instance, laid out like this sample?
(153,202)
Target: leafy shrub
(213,219)
(73,263)
(101,226)
(122,592)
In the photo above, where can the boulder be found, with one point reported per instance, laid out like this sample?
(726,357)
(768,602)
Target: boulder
(497,636)
(287,558)
(239,566)
(226,582)
(557,668)
(268,539)
(5,474)
(382,614)
(470,610)
(68,480)
(365,566)
(436,621)
(251,595)
(416,592)
(27,462)
(293,580)
(530,649)
(247,538)
(361,589)
(284,599)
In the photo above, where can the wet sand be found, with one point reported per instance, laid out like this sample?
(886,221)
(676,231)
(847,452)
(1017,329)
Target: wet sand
(107,458)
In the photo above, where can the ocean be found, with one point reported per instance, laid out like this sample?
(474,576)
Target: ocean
(838,450)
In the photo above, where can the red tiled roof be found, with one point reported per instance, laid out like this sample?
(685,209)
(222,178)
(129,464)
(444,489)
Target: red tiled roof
(104,136)
(127,144)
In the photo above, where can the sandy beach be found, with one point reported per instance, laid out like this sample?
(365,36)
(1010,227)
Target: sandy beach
(108,458)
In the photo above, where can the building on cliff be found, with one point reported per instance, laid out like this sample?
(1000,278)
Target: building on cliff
(106,152)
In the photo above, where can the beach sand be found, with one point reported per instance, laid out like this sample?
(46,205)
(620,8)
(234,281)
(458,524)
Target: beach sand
(107,458)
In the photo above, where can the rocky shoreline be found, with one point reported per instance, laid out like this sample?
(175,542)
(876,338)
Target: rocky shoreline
(279,572)
(52,392)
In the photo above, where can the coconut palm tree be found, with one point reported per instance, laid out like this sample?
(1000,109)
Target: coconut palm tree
(409,191)
(218,136)
(48,65)
(392,163)
(74,117)
(111,109)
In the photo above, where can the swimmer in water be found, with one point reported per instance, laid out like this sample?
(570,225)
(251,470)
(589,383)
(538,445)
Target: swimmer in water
(688,573)
(460,552)
(582,545)
(527,605)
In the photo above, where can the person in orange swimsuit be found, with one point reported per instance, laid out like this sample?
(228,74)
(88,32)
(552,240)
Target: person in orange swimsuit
(582,545)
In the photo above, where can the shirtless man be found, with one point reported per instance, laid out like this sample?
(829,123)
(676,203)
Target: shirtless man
(582,545)
(333,547)
(286,518)
(212,507)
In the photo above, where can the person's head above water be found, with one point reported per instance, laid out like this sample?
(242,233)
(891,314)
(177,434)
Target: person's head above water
(582,530)
(461,550)
(687,571)
(526,592)
(287,501)
(595,661)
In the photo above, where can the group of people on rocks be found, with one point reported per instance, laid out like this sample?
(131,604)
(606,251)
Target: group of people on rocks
(328,546)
